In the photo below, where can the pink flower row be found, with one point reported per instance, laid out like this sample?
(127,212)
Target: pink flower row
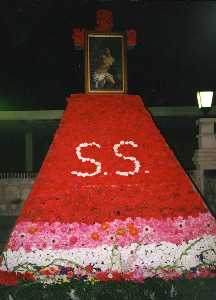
(57,235)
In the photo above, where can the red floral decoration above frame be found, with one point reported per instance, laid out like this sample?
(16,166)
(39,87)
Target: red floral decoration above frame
(131,38)
(104,20)
(104,23)
(78,37)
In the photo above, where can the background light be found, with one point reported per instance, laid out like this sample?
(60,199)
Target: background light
(204,99)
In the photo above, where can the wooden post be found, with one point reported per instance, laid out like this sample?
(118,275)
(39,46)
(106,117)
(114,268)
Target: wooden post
(28,151)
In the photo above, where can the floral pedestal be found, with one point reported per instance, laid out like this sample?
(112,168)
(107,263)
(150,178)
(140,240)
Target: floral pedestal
(110,203)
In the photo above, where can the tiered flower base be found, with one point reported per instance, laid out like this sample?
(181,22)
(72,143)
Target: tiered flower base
(111,202)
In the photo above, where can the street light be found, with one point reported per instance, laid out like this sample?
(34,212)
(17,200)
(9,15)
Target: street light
(204,99)
(204,156)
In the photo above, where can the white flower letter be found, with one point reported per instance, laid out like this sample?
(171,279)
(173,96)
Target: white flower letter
(137,164)
(87,159)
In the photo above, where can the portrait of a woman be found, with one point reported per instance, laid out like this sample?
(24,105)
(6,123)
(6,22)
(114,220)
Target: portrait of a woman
(102,76)
(105,63)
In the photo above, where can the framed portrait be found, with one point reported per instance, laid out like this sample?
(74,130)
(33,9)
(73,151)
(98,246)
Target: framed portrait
(105,63)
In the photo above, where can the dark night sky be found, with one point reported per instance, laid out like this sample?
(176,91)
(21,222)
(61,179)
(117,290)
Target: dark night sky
(174,57)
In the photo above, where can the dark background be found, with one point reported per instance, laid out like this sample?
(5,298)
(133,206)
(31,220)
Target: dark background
(174,56)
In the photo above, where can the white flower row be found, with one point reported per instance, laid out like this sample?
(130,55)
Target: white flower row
(121,259)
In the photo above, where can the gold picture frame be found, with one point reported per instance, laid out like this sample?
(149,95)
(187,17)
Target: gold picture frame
(105,63)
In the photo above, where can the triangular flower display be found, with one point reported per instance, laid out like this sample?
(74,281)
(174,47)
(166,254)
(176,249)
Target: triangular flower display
(111,202)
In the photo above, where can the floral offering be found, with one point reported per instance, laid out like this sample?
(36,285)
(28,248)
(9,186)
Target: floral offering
(111,202)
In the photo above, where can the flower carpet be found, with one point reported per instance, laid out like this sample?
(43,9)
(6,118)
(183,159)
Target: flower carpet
(111,202)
